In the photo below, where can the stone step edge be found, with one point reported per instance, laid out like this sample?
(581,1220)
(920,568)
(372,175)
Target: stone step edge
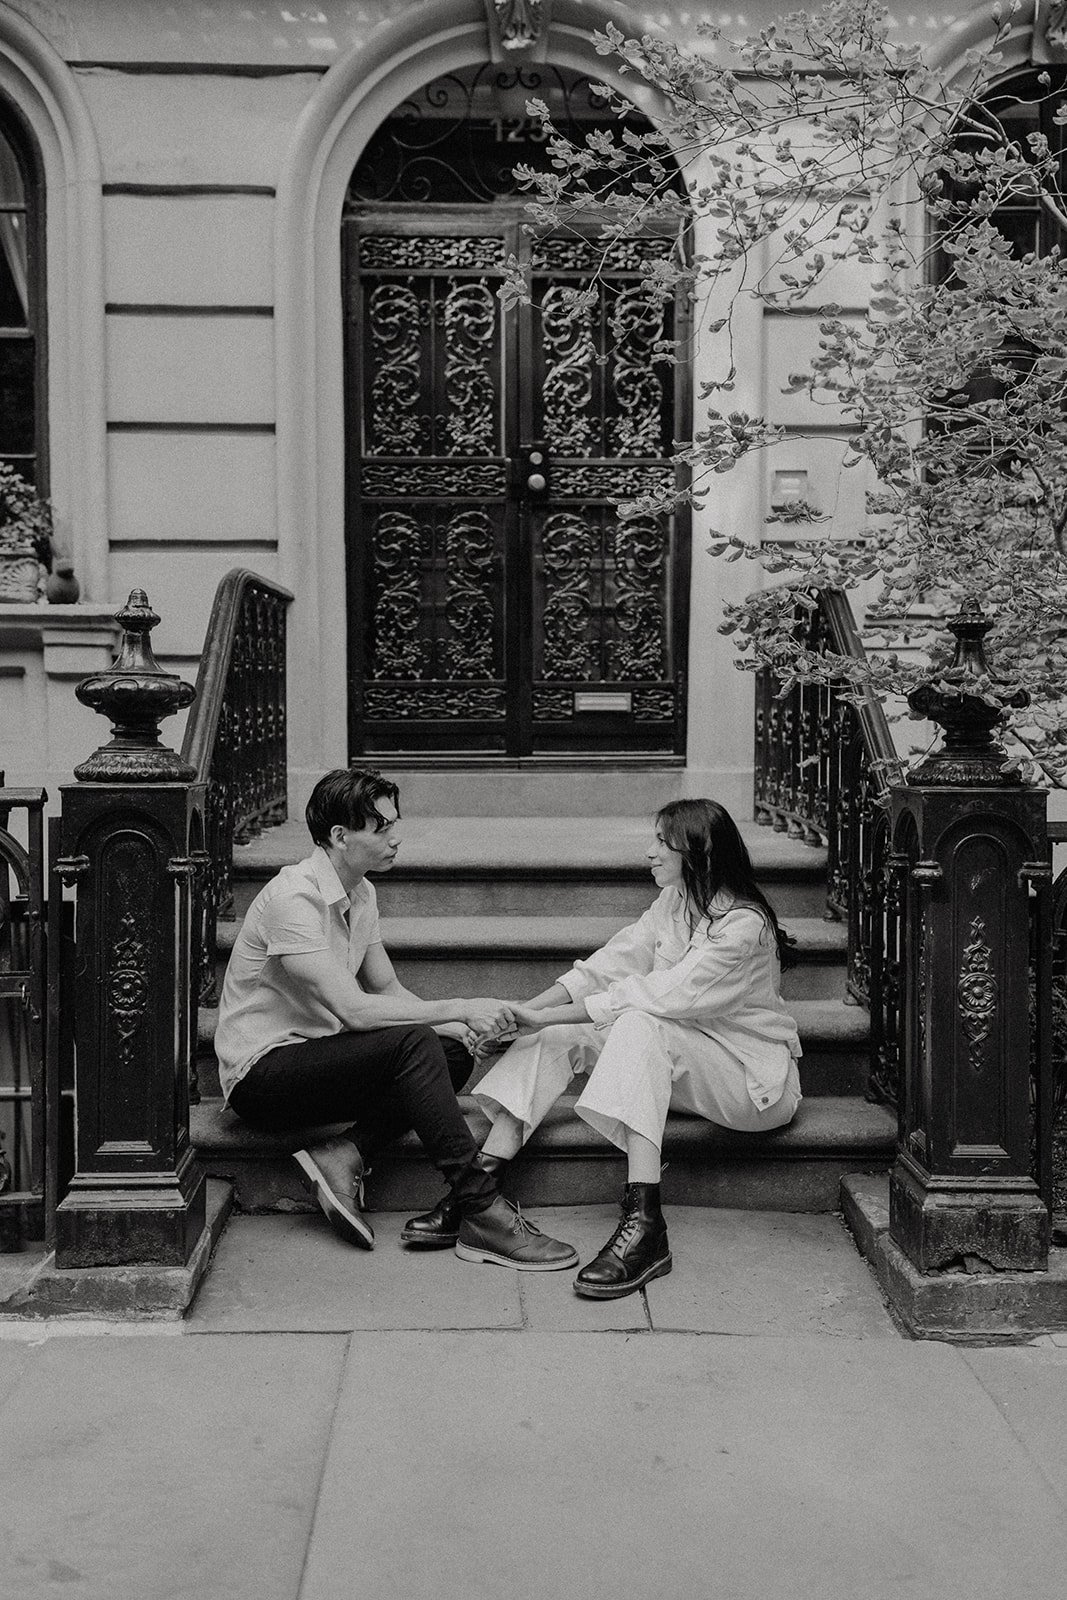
(828,1126)
(445,938)
(825,1024)
(262,867)
(567,849)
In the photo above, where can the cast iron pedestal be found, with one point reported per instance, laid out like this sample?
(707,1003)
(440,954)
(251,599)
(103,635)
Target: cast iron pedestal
(131,836)
(972,839)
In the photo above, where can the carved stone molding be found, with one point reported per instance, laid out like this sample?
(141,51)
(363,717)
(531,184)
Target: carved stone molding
(518,29)
(1050,30)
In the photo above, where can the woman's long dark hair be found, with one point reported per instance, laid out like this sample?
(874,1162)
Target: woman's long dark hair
(714,857)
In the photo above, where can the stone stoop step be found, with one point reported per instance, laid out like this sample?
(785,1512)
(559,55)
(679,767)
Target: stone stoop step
(798,1168)
(534,866)
(437,957)
(502,905)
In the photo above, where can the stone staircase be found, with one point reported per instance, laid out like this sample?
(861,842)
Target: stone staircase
(501,905)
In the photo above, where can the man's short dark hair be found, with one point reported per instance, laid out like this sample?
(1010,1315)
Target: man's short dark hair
(348,797)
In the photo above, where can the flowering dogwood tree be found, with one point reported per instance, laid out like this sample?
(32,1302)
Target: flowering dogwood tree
(823,140)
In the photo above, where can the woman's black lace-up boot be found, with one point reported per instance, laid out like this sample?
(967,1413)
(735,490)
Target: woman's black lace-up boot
(637,1251)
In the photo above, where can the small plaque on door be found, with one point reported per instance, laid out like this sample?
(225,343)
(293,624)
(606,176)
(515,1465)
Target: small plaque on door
(603,700)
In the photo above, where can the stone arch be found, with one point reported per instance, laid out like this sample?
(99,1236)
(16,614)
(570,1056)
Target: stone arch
(36,80)
(353,98)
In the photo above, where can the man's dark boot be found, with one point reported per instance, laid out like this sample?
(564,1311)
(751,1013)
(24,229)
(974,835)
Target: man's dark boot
(636,1252)
(441,1225)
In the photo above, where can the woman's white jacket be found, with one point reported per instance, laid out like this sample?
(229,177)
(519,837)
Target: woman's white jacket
(723,979)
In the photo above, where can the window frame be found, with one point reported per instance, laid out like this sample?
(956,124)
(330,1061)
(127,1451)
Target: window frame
(23,146)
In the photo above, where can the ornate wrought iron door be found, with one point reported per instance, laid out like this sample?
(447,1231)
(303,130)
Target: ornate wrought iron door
(497,602)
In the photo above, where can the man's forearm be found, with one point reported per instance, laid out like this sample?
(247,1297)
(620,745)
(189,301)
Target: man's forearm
(360,1013)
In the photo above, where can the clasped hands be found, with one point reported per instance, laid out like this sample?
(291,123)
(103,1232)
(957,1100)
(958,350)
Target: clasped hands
(492,1024)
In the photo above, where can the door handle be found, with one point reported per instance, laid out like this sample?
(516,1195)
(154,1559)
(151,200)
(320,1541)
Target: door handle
(535,465)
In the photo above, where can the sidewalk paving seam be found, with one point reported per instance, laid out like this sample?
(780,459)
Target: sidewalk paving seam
(1056,1492)
(342,1369)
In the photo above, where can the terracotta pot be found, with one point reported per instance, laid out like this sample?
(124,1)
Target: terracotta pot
(61,587)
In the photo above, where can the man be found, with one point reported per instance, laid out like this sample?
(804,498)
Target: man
(316,1028)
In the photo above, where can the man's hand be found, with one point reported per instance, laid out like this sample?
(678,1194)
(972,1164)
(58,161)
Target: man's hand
(486,1016)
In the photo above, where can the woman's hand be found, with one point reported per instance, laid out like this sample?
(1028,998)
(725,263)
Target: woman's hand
(529,1016)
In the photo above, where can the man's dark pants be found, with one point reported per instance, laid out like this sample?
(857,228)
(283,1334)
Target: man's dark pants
(384,1081)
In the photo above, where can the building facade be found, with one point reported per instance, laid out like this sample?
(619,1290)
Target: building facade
(250,263)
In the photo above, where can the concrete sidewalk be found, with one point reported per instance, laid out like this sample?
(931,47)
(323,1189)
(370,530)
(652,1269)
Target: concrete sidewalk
(329,1423)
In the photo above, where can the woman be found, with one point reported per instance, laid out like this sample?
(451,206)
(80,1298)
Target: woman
(682,1009)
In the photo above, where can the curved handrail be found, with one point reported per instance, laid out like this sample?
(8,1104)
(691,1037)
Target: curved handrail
(886,765)
(235,739)
(202,725)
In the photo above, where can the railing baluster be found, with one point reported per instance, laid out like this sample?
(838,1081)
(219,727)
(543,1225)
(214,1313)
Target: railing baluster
(236,740)
(22,1008)
(823,770)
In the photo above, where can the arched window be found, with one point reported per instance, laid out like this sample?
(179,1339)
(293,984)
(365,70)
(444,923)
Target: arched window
(22,345)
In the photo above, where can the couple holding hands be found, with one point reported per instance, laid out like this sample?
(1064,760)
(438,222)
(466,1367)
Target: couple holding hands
(681,1009)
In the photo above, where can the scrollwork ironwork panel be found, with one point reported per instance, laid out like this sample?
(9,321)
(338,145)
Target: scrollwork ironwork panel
(431,252)
(569,548)
(638,385)
(606,480)
(553,705)
(460,138)
(427,702)
(574,254)
(471,424)
(639,549)
(395,422)
(399,648)
(654,705)
(434,479)
(470,598)
(568,423)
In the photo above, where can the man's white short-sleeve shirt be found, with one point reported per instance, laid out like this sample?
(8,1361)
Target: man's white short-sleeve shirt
(303,909)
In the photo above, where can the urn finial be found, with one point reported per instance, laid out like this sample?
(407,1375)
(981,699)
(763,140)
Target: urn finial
(136,694)
(969,754)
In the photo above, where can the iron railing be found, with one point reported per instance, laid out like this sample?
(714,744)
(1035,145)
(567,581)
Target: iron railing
(1051,1016)
(235,738)
(823,769)
(22,1018)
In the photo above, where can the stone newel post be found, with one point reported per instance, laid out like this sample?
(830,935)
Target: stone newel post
(972,839)
(131,829)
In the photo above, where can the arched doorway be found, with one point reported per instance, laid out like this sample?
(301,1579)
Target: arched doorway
(497,605)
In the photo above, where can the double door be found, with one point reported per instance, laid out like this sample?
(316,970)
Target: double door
(497,603)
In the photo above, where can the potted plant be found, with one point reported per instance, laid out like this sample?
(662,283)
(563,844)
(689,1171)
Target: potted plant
(25,537)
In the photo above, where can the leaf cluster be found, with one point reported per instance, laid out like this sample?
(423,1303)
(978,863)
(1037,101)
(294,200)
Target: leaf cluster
(816,142)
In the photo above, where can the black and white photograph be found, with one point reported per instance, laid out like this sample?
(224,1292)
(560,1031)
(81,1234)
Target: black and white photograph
(533,800)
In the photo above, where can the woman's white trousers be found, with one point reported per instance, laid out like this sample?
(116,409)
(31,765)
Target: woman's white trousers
(639,1068)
